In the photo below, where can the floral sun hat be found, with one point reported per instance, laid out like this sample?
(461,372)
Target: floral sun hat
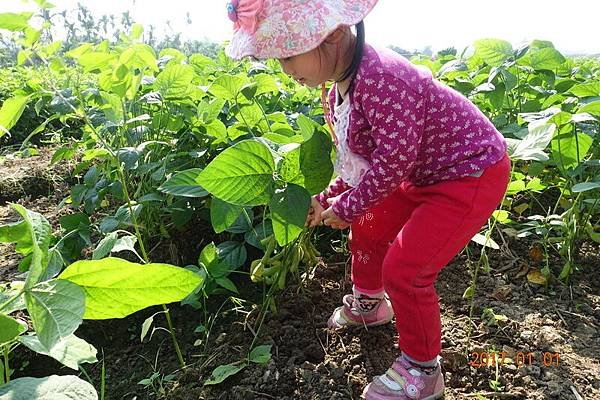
(284,28)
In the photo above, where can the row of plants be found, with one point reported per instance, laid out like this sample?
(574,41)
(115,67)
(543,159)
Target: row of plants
(150,125)
(548,108)
(165,141)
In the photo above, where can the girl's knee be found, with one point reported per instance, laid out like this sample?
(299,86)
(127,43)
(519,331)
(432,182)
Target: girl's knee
(399,274)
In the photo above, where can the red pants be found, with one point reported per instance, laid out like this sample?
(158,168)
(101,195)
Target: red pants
(402,243)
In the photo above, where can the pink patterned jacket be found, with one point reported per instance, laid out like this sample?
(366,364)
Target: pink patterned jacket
(409,127)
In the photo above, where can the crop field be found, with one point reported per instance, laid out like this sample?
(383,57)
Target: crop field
(153,242)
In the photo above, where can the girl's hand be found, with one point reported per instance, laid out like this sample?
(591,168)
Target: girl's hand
(314,213)
(331,219)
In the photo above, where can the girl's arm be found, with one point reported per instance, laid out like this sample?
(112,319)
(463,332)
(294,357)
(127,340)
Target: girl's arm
(396,113)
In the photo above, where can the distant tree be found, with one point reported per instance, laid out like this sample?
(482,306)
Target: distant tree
(450,51)
(81,26)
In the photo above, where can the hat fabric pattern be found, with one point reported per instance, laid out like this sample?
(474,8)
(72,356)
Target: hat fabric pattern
(285,28)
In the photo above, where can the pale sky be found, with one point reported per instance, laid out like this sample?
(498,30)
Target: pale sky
(573,26)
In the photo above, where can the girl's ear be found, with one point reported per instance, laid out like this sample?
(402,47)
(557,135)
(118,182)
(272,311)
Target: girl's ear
(337,35)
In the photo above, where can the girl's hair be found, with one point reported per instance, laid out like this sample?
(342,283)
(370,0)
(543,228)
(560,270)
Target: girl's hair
(358,54)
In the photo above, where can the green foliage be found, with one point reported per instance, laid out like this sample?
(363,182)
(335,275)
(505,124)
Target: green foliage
(94,289)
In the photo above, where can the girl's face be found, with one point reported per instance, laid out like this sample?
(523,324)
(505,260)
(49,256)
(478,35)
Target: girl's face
(322,64)
(311,69)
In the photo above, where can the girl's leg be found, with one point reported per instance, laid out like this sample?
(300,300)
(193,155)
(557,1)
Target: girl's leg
(370,239)
(447,216)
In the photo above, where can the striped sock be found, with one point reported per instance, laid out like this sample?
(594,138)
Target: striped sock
(428,367)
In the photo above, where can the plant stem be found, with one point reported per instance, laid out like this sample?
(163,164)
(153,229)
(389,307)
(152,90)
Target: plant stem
(6,364)
(175,342)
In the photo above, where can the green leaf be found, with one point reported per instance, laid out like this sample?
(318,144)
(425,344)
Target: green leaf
(493,51)
(309,165)
(56,308)
(125,243)
(562,118)
(223,215)
(587,89)
(223,372)
(468,293)
(241,175)
(209,111)
(501,216)
(119,79)
(546,58)
(306,125)
(261,231)
(233,253)
(244,221)
(260,354)
(146,327)
(226,283)
(75,221)
(17,232)
(16,303)
(228,87)
(265,83)
(11,111)
(533,145)
(40,233)
(185,184)
(31,36)
(485,241)
(289,208)
(105,246)
(515,186)
(70,351)
(535,185)
(217,130)
(250,115)
(116,288)
(15,21)
(137,30)
(95,60)
(9,329)
(570,149)
(586,186)
(176,56)
(79,51)
(591,108)
(208,255)
(175,81)
(44,4)
(49,388)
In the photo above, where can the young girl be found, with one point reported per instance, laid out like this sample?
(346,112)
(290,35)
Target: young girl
(420,170)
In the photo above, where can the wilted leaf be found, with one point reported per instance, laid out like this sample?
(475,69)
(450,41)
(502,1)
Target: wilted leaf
(536,276)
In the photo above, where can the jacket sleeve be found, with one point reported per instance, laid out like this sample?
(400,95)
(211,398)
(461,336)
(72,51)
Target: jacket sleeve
(337,187)
(396,114)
